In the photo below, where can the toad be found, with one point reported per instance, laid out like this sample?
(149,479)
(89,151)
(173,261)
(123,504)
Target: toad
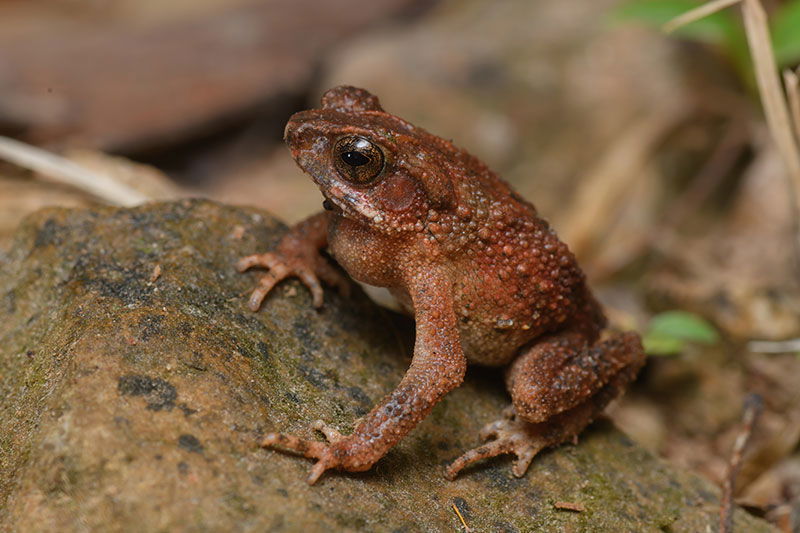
(487,281)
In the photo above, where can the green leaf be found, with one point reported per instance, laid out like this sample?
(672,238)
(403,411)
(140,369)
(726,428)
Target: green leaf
(786,34)
(716,28)
(661,345)
(668,332)
(684,325)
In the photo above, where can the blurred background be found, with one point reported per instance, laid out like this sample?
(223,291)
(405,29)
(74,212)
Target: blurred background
(649,154)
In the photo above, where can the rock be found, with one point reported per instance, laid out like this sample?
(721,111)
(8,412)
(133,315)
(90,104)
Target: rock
(20,196)
(134,386)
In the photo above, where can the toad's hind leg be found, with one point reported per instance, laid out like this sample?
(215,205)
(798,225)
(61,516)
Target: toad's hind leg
(557,388)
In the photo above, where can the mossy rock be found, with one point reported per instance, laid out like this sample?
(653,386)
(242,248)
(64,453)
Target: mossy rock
(134,386)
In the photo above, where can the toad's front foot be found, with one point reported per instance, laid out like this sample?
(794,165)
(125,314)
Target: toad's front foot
(328,454)
(308,267)
(508,435)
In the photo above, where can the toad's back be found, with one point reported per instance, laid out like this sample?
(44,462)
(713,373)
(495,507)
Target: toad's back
(513,279)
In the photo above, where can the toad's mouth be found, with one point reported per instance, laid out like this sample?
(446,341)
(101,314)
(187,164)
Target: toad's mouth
(327,205)
(341,200)
(336,203)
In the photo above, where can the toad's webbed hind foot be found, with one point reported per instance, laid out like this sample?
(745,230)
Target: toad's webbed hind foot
(557,389)
(511,435)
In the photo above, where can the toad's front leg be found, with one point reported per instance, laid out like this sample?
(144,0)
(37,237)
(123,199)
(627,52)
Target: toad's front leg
(438,366)
(297,254)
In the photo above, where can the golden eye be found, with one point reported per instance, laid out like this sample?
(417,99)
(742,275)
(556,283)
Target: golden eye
(357,159)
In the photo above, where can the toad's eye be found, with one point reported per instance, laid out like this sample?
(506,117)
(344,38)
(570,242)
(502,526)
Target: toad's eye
(357,159)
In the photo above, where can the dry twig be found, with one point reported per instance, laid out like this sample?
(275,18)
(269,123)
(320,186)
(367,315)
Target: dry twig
(766,71)
(65,171)
(752,409)
(788,346)
(792,82)
(463,522)
(770,89)
(604,187)
(698,13)
(769,85)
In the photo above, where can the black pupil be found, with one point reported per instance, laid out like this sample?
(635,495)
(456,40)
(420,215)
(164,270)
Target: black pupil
(355,159)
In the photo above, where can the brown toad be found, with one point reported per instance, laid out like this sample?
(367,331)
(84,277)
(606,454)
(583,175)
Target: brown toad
(487,281)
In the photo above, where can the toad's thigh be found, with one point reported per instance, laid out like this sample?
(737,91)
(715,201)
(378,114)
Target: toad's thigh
(565,370)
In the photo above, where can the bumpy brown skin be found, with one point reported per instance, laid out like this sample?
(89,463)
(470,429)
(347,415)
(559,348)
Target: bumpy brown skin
(486,279)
